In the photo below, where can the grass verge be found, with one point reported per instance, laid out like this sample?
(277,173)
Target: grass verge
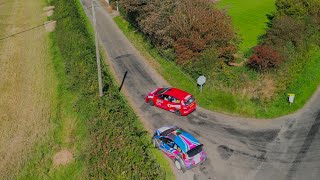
(105,136)
(226,101)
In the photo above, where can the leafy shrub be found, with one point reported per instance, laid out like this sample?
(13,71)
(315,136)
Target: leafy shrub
(284,30)
(206,64)
(264,58)
(187,26)
(197,26)
(298,8)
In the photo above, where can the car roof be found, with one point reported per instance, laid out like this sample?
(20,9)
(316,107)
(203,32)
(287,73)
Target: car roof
(177,93)
(184,140)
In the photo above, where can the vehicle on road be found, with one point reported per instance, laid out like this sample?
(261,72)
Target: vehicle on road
(173,100)
(184,149)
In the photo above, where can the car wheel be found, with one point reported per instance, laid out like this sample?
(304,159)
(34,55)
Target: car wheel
(180,165)
(178,113)
(154,143)
(177,164)
(151,103)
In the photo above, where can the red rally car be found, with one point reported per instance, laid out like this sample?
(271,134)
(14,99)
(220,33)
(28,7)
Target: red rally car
(173,100)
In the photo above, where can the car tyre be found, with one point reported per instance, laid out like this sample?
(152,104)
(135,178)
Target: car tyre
(151,103)
(154,143)
(179,165)
(178,112)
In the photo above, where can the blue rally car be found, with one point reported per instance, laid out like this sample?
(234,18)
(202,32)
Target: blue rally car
(185,150)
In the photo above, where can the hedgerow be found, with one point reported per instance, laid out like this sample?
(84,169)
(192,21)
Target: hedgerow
(117,147)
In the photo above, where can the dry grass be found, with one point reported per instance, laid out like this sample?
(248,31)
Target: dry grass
(26,83)
(263,88)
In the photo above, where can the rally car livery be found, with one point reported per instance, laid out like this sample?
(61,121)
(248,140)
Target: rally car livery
(173,100)
(184,149)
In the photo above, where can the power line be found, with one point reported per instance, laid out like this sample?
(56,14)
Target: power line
(29,29)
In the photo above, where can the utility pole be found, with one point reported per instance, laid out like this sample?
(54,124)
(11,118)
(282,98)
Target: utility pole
(97,50)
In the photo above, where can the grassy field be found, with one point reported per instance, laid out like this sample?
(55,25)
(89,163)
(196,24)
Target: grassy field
(249,18)
(27,84)
(235,90)
(104,135)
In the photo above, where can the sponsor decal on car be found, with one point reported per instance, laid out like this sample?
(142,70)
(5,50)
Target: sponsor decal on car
(187,97)
(174,106)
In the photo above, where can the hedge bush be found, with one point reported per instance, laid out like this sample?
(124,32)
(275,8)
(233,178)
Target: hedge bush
(118,146)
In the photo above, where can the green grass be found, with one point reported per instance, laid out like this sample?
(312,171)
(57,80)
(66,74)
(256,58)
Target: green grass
(106,137)
(305,79)
(223,99)
(249,18)
(40,165)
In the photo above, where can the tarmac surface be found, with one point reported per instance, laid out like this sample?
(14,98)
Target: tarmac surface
(238,148)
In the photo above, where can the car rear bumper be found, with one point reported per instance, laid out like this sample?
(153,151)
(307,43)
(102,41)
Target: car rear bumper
(191,165)
(187,111)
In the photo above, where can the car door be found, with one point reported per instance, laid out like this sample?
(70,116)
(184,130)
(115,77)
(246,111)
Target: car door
(174,104)
(166,102)
(159,100)
(166,145)
(162,101)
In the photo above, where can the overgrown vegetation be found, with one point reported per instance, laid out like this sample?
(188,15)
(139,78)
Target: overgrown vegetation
(282,60)
(185,27)
(108,141)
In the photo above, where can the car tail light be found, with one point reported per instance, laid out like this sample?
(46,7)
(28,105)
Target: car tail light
(184,156)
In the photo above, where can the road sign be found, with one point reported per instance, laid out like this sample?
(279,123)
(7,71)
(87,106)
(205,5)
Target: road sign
(201,80)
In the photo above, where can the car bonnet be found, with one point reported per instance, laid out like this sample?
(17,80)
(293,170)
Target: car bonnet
(186,141)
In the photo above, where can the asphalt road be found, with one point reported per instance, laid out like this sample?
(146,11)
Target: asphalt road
(237,148)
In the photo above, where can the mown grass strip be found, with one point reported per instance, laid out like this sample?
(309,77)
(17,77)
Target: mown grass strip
(218,100)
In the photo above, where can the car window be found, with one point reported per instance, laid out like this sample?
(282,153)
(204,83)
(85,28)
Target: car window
(195,151)
(161,96)
(168,131)
(189,100)
(163,90)
(176,147)
(175,100)
(166,97)
(167,141)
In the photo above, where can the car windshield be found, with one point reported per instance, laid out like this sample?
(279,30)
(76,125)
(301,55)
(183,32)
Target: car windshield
(166,132)
(190,100)
(162,91)
(195,151)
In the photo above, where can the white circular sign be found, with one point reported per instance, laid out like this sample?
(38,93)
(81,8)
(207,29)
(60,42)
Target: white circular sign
(201,80)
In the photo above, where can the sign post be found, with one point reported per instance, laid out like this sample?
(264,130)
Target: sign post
(291,98)
(200,81)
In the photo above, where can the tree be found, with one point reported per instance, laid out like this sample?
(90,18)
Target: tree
(284,30)
(197,26)
(264,58)
(156,21)
(298,8)
(132,9)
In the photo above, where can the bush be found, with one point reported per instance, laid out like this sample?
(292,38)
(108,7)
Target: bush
(264,58)
(196,27)
(284,30)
